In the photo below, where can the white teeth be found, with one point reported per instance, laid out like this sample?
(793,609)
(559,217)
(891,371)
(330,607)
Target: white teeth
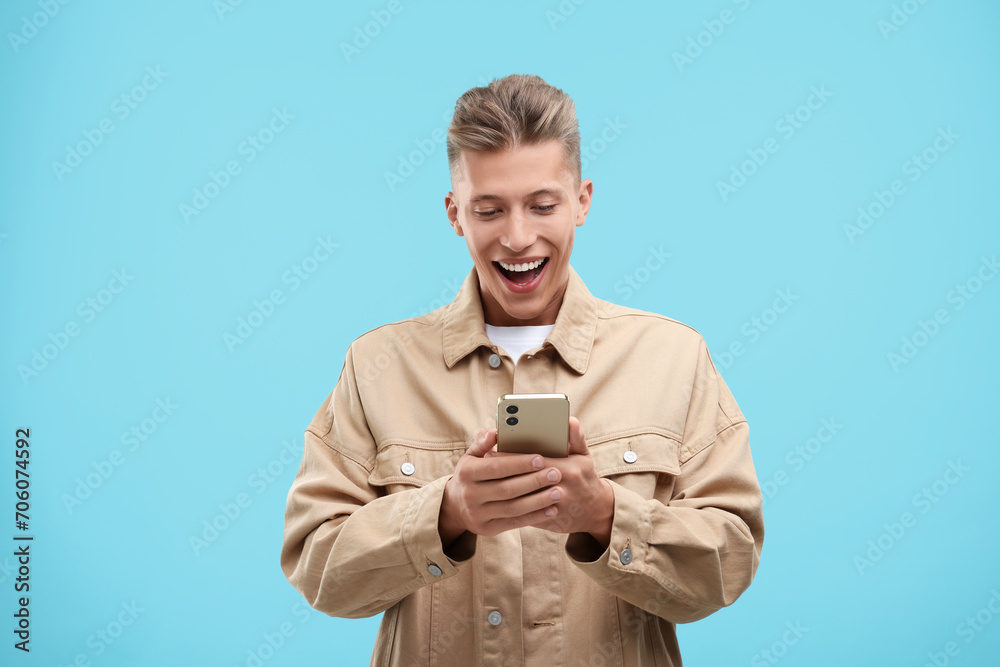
(522,267)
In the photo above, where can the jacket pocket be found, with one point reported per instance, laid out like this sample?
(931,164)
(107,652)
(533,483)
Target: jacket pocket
(640,462)
(400,466)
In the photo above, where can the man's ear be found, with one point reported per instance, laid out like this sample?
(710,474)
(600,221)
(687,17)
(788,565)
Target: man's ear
(586,195)
(451,207)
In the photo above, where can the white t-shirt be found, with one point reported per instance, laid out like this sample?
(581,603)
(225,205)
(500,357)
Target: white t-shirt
(517,340)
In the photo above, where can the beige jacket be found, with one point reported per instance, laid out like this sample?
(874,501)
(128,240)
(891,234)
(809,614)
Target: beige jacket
(361,524)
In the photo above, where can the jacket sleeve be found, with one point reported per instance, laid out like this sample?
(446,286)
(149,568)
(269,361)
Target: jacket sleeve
(695,547)
(351,550)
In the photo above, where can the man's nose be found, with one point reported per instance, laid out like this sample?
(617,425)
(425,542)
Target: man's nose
(519,232)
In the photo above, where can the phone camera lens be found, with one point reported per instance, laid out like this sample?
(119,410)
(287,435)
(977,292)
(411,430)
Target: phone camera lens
(511,421)
(511,409)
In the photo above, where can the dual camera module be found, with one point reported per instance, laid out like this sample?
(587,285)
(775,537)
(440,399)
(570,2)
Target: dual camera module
(511,409)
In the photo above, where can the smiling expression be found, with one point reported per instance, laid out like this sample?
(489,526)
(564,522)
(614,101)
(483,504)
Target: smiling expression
(518,211)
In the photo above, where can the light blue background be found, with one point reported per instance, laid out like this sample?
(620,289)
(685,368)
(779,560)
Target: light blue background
(682,129)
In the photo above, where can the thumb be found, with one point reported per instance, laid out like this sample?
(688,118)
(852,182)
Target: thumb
(485,441)
(577,443)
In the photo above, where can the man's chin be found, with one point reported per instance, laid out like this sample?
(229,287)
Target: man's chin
(524,310)
(512,308)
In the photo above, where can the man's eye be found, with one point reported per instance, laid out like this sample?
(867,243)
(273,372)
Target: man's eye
(486,214)
(546,209)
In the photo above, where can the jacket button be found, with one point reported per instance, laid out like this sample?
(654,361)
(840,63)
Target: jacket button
(626,556)
(630,456)
(434,569)
(495,360)
(407,468)
(494,618)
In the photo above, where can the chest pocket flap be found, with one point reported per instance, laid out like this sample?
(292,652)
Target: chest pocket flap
(408,464)
(640,452)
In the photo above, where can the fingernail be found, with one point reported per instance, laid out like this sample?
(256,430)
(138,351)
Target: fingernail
(487,455)
(556,494)
(550,511)
(553,475)
(537,462)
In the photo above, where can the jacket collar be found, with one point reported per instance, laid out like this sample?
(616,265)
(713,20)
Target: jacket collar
(572,335)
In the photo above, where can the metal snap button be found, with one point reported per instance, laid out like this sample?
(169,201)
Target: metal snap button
(407,468)
(626,556)
(434,569)
(495,360)
(630,456)
(494,618)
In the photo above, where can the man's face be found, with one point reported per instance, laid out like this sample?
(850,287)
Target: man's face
(519,209)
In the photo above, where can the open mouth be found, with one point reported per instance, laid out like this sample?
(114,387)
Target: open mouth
(521,277)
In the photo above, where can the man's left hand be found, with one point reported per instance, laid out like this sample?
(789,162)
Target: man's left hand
(587,502)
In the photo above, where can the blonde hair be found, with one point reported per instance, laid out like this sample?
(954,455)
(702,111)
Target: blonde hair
(519,109)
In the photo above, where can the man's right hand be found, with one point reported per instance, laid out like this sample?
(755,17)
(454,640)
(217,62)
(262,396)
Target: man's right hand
(490,495)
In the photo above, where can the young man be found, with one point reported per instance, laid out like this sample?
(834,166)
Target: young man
(482,558)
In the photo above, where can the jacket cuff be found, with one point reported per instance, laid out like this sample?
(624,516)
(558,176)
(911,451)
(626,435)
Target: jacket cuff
(630,528)
(421,538)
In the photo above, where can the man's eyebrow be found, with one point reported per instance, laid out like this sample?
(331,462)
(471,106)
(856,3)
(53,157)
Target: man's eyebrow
(543,191)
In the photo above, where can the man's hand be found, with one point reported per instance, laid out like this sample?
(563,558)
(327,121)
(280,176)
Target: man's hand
(490,493)
(587,504)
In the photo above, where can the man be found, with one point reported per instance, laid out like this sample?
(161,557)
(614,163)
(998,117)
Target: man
(477,557)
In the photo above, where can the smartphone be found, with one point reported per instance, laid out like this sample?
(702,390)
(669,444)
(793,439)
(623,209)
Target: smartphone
(533,424)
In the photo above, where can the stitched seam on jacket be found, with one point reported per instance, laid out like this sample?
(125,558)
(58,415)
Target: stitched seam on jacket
(682,459)
(635,431)
(656,316)
(425,445)
(368,464)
